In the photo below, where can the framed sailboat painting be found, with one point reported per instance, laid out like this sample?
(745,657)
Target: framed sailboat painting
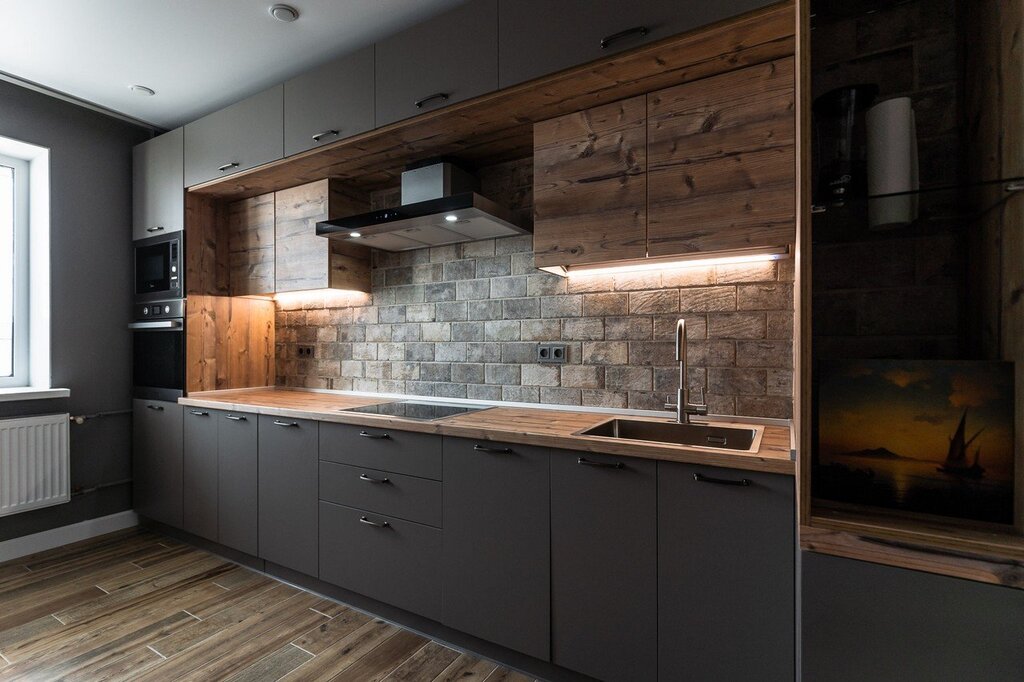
(928,437)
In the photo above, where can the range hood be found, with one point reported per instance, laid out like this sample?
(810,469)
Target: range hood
(440,206)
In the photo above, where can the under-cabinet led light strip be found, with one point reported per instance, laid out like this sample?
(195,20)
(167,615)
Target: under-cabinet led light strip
(672,262)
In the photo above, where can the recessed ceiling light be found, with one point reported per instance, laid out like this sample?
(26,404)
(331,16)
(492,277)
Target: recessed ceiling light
(285,13)
(451,217)
(142,90)
(354,235)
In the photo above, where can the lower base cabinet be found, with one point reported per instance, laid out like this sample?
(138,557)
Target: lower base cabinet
(288,511)
(496,563)
(157,467)
(388,559)
(726,574)
(200,473)
(237,481)
(604,554)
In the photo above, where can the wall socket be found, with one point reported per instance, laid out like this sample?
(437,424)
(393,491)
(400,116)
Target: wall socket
(552,353)
(305,351)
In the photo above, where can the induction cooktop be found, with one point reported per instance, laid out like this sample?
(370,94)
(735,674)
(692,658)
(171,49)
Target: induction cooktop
(412,409)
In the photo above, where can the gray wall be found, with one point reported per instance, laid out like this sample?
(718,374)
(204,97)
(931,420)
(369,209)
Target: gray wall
(90,222)
(863,621)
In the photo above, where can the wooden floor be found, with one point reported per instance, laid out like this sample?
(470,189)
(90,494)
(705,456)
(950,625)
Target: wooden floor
(137,606)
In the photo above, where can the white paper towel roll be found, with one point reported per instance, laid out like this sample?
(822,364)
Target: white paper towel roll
(892,163)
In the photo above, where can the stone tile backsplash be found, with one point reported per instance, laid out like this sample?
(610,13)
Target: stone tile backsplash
(464,321)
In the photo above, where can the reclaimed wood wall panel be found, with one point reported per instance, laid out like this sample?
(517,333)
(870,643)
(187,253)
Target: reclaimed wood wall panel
(250,225)
(722,162)
(498,126)
(590,185)
(229,343)
(206,252)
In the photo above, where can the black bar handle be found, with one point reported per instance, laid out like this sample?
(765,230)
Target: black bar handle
(200,413)
(375,524)
(701,478)
(494,451)
(443,96)
(371,479)
(636,30)
(324,133)
(158,408)
(278,422)
(235,417)
(601,465)
(376,436)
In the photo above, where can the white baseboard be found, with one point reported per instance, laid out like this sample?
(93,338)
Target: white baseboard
(65,535)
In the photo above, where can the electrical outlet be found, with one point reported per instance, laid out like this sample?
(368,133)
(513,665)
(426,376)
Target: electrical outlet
(552,353)
(305,351)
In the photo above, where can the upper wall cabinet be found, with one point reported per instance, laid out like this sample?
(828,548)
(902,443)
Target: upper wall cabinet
(722,162)
(236,138)
(329,103)
(158,201)
(538,37)
(442,61)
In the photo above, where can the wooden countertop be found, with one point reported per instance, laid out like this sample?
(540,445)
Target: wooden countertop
(529,426)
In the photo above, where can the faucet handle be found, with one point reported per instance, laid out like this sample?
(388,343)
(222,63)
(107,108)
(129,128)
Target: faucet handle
(703,402)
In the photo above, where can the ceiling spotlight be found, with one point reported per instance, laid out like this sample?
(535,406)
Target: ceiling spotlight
(142,90)
(451,217)
(285,13)
(355,235)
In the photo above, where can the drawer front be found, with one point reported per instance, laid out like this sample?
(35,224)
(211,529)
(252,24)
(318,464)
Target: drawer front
(398,563)
(403,497)
(383,449)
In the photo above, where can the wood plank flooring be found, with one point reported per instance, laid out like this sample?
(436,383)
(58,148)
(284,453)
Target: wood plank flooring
(134,605)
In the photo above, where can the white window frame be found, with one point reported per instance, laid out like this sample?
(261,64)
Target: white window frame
(22,254)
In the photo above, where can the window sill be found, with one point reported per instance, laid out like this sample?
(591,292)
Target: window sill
(31,393)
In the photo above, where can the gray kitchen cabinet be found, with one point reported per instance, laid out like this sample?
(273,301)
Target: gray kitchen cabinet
(445,60)
(539,37)
(243,135)
(383,492)
(329,103)
(496,563)
(288,492)
(726,574)
(238,481)
(157,460)
(158,195)
(385,449)
(604,561)
(392,560)
(200,472)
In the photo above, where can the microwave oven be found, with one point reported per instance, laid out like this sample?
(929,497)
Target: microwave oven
(158,268)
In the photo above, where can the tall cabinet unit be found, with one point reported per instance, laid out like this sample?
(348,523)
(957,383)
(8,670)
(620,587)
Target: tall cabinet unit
(158,195)
(726,574)
(496,561)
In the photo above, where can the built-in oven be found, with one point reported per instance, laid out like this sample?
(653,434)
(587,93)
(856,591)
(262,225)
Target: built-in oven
(158,271)
(158,350)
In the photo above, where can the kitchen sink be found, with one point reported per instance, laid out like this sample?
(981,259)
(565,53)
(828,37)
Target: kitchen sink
(744,439)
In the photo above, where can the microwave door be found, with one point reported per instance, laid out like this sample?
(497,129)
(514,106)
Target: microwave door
(152,269)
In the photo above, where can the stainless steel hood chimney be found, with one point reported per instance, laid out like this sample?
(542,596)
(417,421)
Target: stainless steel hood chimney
(439,206)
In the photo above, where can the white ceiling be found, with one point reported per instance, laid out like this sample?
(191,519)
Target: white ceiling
(199,55)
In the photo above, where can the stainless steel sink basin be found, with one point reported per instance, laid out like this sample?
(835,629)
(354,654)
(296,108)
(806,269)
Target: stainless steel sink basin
(744,439)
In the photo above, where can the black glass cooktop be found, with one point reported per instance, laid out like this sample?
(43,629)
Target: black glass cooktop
(411,409)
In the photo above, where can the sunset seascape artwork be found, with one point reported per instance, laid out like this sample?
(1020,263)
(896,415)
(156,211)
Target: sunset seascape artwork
(917,436)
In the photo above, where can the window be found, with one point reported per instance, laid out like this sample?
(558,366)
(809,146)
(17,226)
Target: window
(24,267)
(14,254)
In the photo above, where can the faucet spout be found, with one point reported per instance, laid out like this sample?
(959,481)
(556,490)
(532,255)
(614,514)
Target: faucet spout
(684,408)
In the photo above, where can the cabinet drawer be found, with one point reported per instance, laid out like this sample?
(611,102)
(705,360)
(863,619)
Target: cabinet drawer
(383,449)
(394,561)
(403,497)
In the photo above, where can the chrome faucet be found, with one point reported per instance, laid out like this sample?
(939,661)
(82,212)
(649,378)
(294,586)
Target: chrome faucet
(683,407)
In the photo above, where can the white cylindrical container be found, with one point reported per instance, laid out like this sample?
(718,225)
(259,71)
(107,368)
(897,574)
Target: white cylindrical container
(892,163)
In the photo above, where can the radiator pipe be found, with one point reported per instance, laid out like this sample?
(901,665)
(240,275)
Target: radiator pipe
(100,486)
(82,418)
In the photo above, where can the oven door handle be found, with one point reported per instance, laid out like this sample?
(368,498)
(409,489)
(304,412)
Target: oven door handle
(155,325)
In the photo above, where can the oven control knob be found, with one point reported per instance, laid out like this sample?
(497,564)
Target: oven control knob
(174,268)
(145,310)
(167,310)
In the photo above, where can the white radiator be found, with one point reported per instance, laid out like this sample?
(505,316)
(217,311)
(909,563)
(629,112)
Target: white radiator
(34,463)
